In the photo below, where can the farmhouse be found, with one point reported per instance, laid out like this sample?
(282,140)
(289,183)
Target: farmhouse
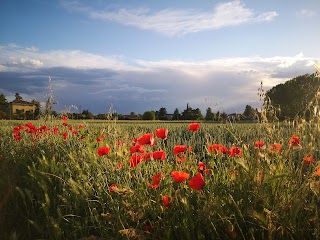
(21,109)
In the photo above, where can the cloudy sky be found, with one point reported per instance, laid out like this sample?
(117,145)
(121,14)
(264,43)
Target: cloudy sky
(139,55)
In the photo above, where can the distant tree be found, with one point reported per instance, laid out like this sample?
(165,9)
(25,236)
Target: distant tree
(176,114)
(162,114)
(87,114)
(4,107)
(38,108)
(18,97)
(209,114)
(132,113)
(148,115)
(191,114)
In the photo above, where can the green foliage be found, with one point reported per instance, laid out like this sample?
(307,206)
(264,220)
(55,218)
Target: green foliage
(148,115)
(294,96)
(53,187)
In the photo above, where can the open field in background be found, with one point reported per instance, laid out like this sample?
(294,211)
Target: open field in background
(67,179)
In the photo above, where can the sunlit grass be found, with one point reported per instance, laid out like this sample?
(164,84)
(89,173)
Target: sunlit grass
(56,186)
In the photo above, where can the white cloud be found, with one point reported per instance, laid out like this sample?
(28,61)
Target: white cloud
(180,21)
(81,78)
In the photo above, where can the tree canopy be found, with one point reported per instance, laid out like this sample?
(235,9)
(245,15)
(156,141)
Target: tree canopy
(294,96)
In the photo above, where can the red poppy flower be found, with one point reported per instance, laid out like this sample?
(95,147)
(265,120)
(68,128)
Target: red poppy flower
(317,172)
(179,176)
(218,148)
(275,148)
(103,151)
(181,158)
(147,228)
(166,201)
(119,166)
(294,141)
(55,130)
(30,125)
(194,127)
(179,149)
(64,118)
(65,124)
(156,180)
(308,160)
(113,187)
(80,126)
(146,139)
(258,144)
(162,133)
(201,166)
(17,137)
(159,155)
(135,160)
(197,182)
(136,148)
(235,151)
(147,156)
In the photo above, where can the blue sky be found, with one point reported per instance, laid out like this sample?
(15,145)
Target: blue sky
(144,55)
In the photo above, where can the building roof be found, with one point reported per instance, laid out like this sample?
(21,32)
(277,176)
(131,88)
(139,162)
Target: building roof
(21,102)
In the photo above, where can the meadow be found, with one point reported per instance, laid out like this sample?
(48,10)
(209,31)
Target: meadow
(67,179)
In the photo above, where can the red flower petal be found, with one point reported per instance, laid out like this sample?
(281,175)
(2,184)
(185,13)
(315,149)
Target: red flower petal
(197,182)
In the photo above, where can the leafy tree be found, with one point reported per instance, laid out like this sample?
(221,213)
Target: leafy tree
(18,97)
(162,114)
(37,111)
(176,114)
(4,107)
(191,114)
(148,115)
(209,114)
(87,114)
(292,98)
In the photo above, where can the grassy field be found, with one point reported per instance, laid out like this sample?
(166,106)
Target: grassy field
(66,179)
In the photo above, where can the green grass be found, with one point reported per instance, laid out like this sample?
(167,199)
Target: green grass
(52,188)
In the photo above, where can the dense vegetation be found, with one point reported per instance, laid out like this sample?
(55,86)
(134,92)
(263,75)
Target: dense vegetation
(139,180)
(294,97)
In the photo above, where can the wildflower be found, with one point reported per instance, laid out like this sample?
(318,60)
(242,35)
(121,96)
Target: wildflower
(235,151)
(234,172)
(162,133)
(317,172)
(17,137)
(118,143)
(275,148)
(294,141)
(80,126)
(194,127)
(113,187)
(179,149)
(146,139)
(181,158)
(197,182)
(156,180)
(166,201)
(119,166)
(218,148)
(179,176)
(135,160)
(159,155)
(136,148)
(65,124)
(147,156)
(55,130)
(308,160)
(64,118)
(147,228)
(258,144)
(103,151)
(201,166)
